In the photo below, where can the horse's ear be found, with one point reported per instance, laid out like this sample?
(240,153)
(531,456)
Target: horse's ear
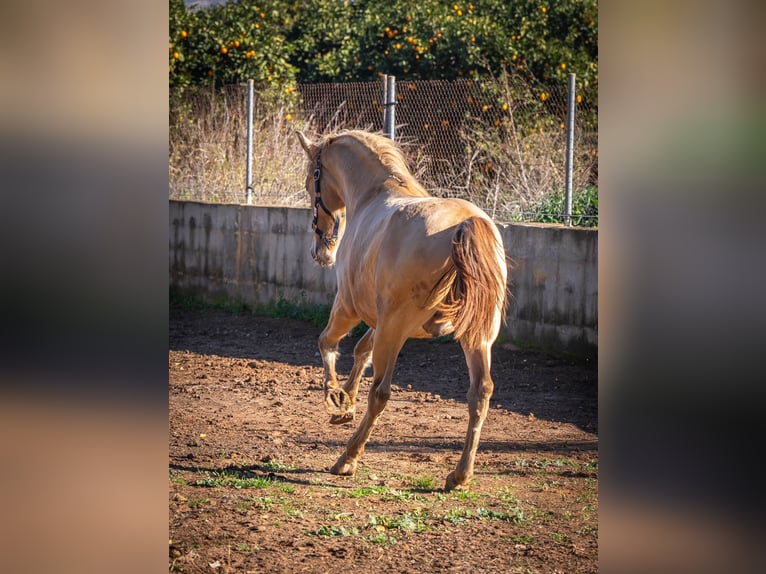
(305,143)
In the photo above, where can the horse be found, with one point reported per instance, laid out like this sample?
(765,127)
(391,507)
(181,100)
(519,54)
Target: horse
(408,265)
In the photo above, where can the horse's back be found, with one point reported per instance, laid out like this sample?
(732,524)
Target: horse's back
(419,233)
(398,255)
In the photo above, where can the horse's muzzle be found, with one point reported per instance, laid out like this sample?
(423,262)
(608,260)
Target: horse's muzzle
(323,257)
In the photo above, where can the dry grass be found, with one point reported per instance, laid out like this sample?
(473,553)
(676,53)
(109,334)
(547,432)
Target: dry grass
(208,151)
(509,163)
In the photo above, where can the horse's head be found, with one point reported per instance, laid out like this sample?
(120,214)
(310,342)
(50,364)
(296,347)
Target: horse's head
(329,219)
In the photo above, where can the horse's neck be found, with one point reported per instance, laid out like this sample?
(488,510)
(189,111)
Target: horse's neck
(365,178)
(389,190)
(362,185)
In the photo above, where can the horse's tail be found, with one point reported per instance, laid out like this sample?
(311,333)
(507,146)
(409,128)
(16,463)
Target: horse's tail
(475,287)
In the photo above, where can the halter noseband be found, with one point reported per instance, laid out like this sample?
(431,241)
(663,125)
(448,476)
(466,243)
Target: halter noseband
(328,241)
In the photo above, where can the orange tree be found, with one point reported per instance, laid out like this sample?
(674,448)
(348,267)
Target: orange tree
(430,39)
(229,43)
(279,42)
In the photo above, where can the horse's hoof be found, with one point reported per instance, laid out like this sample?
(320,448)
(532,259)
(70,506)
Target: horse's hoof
(343,468)
(337,402)
(453,484)
(342,419)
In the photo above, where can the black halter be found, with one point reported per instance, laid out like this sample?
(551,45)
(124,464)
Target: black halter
(328,241)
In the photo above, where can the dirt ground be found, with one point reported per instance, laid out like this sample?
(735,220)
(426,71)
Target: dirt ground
(250,447)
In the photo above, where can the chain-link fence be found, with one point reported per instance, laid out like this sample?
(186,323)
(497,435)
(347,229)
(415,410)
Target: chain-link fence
(500,144)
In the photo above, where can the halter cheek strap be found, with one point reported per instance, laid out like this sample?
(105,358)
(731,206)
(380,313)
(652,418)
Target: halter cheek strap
(328,241)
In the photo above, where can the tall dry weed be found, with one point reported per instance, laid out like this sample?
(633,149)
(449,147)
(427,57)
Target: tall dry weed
(510,160)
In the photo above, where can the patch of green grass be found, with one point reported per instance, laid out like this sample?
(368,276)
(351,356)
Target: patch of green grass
(276,466)
(559,538)
(243,547)
(591,465)
(507,496)
(587,498)
(542,467)
(198,502)
(317,315)
(463,495)
(543,517)
(262,503)
(235,479)
(458,515)
(461,515)
(546,485)
(181,298)
(424,483)
(291,512)
(365,491)
(550,208)
(515,515)
(333,531)
(387,494)
(383,539)
(409,521)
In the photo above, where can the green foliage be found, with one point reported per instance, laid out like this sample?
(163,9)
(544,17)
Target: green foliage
(513,515)
(317,315)
(234,479)
(280,42)
(229,44)
(334,531)
(423,483)
(552,206)
(457,515)
(276,466)
(409,521)
(461,515)
(365,491)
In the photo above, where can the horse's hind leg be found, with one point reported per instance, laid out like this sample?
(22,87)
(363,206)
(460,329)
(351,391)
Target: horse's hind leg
(384,356)
(336,400)
(479,394)
(362,356)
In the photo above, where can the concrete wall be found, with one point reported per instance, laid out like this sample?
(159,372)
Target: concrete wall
(554,282)
(261,254)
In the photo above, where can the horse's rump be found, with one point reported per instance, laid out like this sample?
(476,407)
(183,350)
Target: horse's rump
(473,289)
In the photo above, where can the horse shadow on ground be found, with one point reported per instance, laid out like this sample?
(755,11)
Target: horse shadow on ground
(528,382)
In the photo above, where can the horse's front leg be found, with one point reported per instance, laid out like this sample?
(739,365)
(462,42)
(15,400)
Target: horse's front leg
(362,356)
(336,400)
(384,356)
(479,394)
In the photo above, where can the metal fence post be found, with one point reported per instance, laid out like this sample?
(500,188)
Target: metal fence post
(385,101)
(249,182)
(570,149)
(389,115)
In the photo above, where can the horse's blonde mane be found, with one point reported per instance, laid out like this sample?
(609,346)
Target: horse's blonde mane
(389,154)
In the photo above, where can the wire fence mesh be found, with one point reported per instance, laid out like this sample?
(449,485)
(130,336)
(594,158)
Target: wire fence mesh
(500,144)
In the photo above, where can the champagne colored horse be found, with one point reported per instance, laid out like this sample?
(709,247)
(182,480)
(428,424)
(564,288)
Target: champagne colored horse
(408,265)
